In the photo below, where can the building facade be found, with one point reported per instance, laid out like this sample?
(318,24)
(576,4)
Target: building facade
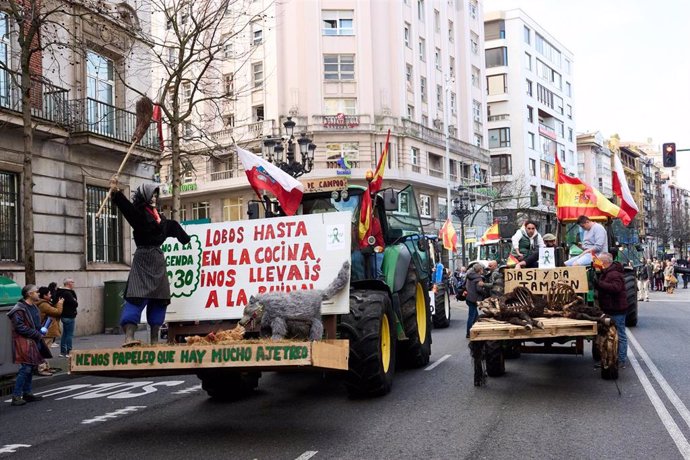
(82,113)
(530,110)
(353,71)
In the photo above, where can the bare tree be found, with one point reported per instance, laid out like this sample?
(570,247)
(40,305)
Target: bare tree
(190,42)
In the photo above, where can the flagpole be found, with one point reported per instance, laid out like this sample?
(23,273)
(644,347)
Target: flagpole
(446,127)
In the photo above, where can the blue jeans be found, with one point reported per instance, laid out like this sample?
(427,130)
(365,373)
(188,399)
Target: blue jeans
(155,312)
(67,335)
(585,259)
(472,315)
(622,338)
(24,378)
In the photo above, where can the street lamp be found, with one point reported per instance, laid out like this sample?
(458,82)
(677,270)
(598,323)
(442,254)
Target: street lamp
(463,206)
(275,147)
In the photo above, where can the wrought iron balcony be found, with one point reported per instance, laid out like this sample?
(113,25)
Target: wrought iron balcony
(90,116)
(48,101)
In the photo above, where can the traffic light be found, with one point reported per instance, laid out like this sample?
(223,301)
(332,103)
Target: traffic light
(669,155)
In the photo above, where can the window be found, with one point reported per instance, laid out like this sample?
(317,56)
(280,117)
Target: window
(533,167)
(420,10)
(528,35)
(473,9)
(422,88)
(530,140)
(258,74)
(422,50)
(409,76)
(530,114)
(496,57)
(439,97)
(407,35)
(475,77)
(9,217)
(404,202)
(258,113)
(347,150)
(233,209)
(497,84)
(414,158)
(547,50)
(424,205)
(410,112)
(229,84)
(477,111)
(188,129)
(453,108)
(568,89)
(547,171)
(201,210)
(437,21)
(103,234)
(570,134)
(528,61)
(570,111)
(451,31)
(186,91)
(478,140)
(451,66)
(501,165)
(227,50)
(338,22)
(229,120)
(425,120)
(567,66)
(172,55)
(339,66)
(334,106)
(499,137)
(100,91)
(474,43)
(529,88)
(257,34)
(437,58)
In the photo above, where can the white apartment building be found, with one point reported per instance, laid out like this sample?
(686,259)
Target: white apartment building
(594,161)
(346,71)
(530,107)
(84,121)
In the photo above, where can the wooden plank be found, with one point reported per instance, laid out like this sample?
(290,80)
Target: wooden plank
(553,327)
(331,354)
(539,280)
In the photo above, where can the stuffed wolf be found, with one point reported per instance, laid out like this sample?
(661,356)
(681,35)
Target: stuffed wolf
(285,312)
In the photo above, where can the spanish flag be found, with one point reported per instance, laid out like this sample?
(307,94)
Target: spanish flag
(449,236)
(377,181)
(366,209)
(491,234)
(512,261)
(574,198)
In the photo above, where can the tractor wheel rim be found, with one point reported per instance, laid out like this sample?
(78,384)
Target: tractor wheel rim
(385,343)
(421,313)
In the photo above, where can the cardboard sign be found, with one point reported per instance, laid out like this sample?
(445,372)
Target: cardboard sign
(213,276)
(325,185)
(547,258)
(539,280)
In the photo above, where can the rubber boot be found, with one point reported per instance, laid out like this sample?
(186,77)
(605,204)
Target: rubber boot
(130,341)
(155,330)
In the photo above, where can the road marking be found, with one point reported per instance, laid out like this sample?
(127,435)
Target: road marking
(112,415)
(443,358)
(12,448)
(664,415)
(307,455)
(670,394)
(187,390)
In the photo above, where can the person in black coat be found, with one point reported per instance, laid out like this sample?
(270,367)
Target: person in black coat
(610,285)
(147,284)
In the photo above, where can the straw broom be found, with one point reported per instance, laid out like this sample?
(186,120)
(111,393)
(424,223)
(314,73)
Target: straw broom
(144,111)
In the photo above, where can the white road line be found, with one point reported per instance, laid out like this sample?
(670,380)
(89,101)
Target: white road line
(307,455)
(12,448)
(670,394)
(112,415)
(443,358)
(187,390)
(664,415)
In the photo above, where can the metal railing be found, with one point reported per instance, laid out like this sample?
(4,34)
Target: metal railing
(95,117)
(222,175)
(48,101)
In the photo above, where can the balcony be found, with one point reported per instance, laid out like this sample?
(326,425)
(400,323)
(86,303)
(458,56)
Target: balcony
(244,133)
(48,101)
(92,117)
(431,136)
(222,175)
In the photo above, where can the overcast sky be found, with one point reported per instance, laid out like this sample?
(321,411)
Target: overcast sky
(632,65)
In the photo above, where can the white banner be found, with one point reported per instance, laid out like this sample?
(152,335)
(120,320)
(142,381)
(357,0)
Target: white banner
(214,276)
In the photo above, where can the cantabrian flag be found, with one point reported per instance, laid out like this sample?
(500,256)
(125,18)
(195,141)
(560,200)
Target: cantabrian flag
(449,236)
(491,234)
(575,198)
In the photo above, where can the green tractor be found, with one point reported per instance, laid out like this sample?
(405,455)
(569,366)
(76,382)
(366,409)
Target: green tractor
(390,321)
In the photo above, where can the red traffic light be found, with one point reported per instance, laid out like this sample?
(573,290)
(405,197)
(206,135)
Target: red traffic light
(669,155)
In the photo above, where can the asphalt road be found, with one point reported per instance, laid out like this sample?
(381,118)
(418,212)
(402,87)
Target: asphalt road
(546,406)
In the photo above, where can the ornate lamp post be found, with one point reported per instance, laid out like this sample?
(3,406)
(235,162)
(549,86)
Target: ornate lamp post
(463,206)
(275,147)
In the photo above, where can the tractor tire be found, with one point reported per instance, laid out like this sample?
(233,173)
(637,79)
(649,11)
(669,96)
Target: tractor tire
(495,362)
(228,385)
(370,328)
(631,296)
(512,349)
(442,312)
(416,317)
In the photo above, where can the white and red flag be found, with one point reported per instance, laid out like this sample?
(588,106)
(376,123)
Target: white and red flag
(622,191)
(266,177)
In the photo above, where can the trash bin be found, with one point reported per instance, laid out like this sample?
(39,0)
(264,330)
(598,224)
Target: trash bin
(10,293)
(113,292)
